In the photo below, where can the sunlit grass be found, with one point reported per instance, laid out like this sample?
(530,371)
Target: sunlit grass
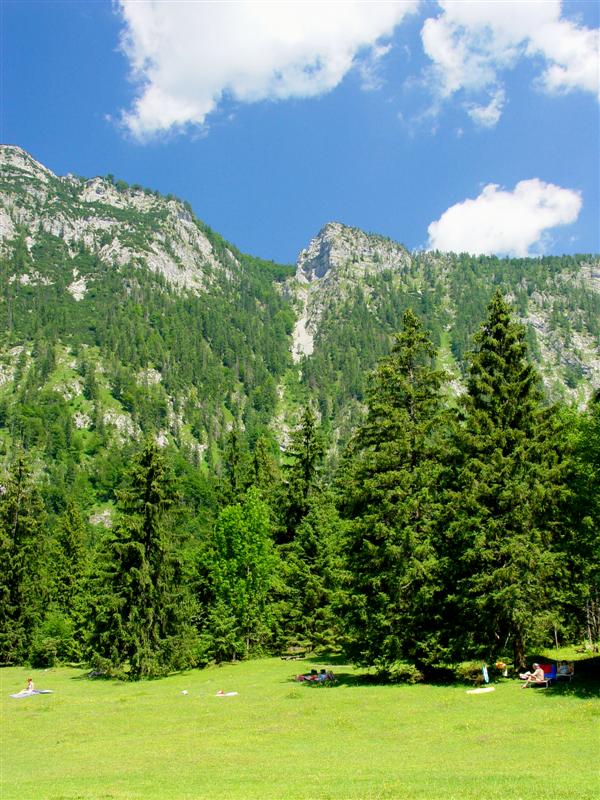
(94,739)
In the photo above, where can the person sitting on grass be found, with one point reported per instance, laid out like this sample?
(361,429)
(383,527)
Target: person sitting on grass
(313,675)
(535,677)
(30,685)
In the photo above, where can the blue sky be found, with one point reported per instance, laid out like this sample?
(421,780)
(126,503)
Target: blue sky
(458,126)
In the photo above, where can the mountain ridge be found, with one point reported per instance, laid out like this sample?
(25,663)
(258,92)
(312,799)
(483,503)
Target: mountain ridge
(163,305)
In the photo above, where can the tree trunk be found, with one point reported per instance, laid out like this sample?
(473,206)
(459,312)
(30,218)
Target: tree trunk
(519,651)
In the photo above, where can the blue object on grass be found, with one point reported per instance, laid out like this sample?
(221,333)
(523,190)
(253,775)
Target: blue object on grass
(27,693)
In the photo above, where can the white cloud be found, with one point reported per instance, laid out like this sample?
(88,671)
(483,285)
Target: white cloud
(472,42)
(505,222)
(188,56)
(488,116)
(369,70)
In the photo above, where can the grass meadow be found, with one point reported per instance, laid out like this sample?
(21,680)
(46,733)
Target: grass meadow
(278,739)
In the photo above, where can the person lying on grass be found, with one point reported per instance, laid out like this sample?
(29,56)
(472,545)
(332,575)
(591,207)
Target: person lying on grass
(321,676)
(537,676)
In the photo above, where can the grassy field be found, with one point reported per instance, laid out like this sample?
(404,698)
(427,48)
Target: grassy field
(104,740)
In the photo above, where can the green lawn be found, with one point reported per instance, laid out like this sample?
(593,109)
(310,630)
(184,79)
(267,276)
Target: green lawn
(96,739)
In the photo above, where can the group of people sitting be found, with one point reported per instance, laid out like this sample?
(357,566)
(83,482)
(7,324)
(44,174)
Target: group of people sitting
(317,675)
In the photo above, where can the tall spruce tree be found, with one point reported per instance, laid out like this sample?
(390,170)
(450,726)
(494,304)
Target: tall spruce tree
(309,542)
(142,608)
(23,584)
(237,468)
(70,559)
(60,635)
(265,469)
(582,539)
(70,570)
(305,458)
(394,607)
(311,572)
(507,508)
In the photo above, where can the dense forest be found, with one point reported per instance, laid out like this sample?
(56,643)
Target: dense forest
(177,487)
(448,528)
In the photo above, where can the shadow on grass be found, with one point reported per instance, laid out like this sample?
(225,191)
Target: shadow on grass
(360,679)
(341,679)
(95,675)
(584,685)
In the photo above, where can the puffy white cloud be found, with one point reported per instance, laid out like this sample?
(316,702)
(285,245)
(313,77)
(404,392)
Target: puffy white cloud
(188,56)
(505,222)
(472,42)
(573,56)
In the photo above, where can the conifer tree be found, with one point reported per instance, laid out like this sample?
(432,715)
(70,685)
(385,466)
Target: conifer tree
(390,495)
(237,468)
(581,541)
(309,542)
(70,566)
(142,608)
(265,468)
(70,558)
(305,454)
(311,571)
(23,585)
(510,483)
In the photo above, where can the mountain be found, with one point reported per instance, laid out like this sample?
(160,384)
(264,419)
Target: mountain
(121,312)
(132,283)
(351,289)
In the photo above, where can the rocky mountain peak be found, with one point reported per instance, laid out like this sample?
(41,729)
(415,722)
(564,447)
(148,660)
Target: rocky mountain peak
(337,245)
(121,224)
(14,159)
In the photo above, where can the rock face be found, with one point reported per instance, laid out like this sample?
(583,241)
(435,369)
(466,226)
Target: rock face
(337,259)
(338,248)
(342,269)
(555,302)
(121,225)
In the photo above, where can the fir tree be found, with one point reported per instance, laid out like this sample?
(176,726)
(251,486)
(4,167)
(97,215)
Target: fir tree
(581,541)
(390,495)
(142,609)
(265,469)
(311,569)
(237,468)
(70,565)
(23,585)
(510,482)
(305,454)
(309,542)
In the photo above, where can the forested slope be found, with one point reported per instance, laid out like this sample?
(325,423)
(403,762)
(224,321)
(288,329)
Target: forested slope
(197,461)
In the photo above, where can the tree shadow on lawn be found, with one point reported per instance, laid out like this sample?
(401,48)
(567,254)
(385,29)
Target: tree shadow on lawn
(340,679)
(584,685)
(362,679)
